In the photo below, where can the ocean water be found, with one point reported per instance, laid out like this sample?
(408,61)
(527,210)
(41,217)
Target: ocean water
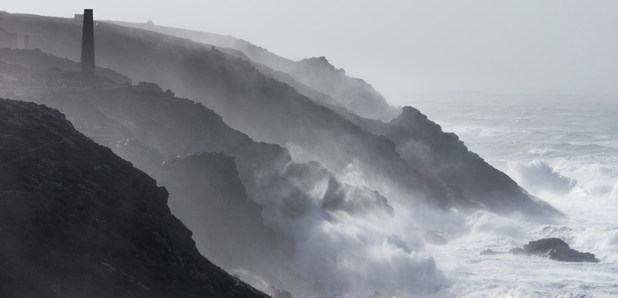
(562,148)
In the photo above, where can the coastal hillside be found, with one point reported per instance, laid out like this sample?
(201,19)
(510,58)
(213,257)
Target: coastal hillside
(76,220)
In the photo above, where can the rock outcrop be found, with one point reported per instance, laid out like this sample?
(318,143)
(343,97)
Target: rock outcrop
(231,200)
(314,77)
(552,248)
(556,249)
(77,220)
(422,143)
(274,112)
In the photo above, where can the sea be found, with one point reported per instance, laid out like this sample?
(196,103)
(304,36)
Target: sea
(564,150)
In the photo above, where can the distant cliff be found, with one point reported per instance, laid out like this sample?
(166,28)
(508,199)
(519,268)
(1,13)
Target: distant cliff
(265,109)
(317,73)
(77,221)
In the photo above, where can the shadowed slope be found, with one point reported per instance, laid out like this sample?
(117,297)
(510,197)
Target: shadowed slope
(76,220)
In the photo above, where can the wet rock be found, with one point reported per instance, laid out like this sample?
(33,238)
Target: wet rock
(570,255)
(543,245)
(556,249)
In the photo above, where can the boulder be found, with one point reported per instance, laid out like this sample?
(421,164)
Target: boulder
(543,245)
(570,255)
(556,249)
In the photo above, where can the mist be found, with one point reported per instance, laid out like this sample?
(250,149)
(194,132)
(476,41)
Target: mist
(343,155)
(404,47)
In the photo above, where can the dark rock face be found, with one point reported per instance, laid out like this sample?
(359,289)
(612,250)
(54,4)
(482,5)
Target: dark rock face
(570,255)
(76,220)
(231,200)
(424,145)
(355,94)
(208,195)
(552,248)
(558,250)
(543,245)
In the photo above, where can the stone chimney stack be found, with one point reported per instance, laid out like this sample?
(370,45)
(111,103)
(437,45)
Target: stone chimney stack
(88,44)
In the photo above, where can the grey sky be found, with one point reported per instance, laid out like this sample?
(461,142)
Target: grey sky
(402,47)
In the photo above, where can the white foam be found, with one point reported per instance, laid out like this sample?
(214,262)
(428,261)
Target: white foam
(539,178)
(565,153)
(614,194)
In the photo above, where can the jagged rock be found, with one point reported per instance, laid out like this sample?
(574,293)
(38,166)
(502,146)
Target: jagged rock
(422,143)
(552,248)
(208,196)
(543,245)
(144,125)
(570,255)
(556,249)
(78,221)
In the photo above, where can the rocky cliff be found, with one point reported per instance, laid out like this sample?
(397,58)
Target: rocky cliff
(315,73)
(76,220)
(236,206)
(249,101)
(258,105)
(424,145)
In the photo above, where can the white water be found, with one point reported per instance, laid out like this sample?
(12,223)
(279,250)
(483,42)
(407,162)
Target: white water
(563,149)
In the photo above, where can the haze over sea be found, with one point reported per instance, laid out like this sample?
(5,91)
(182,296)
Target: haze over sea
(562,148)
